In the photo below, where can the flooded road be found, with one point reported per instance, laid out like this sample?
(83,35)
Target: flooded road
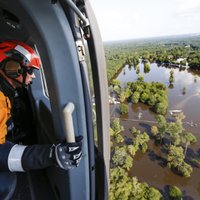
(149,167)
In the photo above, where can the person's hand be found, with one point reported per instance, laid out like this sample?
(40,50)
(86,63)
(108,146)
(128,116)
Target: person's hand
(68,155)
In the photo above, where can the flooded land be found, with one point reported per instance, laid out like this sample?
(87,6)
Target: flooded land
(183,95)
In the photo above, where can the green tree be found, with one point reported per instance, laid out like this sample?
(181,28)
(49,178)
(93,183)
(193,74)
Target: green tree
(115,131)
(119,138)
(180,117)
(123,108)
(137,68)
(121,158)
(115,82)
(122,97)
(152,100)
(187,138)
(161,108)
(133,130)
(137,190)
(120,184)
(147,67)
(162,127)
(140,140)
(161,121)
(117,89)
(175,129)
(176,160)
(183,63)
(140,78)
(154,130)
(175,193)
(175,156)
(125,94)
(144,147)
(111,132)
(185,169)
(132,149)
(171,77)
(116,127)
(144,97)
(135,97)
(153,194)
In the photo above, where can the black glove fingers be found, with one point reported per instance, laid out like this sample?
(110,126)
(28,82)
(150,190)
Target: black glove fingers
(78,161)
(72,148)
(77,155)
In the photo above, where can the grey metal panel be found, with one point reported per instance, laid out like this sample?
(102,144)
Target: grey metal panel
(101,96)
(55,44)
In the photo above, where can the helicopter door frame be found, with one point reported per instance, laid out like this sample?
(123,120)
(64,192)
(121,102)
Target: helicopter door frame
(48,27)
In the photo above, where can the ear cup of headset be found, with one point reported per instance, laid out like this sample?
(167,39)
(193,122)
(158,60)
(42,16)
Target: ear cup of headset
(12,69)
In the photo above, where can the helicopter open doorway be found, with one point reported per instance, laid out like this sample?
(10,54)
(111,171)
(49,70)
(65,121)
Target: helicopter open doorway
(59,34)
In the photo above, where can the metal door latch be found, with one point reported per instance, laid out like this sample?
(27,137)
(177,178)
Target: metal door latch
(81,50)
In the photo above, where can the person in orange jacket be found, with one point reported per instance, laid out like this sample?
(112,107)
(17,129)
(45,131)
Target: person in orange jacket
(17,64)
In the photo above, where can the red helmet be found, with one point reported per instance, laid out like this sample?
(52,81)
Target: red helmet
(18,50)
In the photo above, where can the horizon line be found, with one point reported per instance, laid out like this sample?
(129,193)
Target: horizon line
(151,37)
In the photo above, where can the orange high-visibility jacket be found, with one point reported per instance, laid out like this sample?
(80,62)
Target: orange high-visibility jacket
(5,114)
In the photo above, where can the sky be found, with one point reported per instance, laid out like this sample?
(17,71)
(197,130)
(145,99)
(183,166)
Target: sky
(129,19)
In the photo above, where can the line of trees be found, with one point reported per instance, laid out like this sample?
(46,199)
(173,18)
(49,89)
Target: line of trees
(156,50)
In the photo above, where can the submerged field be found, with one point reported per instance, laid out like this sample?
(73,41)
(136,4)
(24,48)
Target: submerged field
(184,95)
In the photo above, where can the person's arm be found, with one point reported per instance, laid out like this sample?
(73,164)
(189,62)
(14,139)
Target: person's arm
(16,158)
(19,158)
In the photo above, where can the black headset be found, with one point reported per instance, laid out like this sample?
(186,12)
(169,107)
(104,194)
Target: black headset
(12,69)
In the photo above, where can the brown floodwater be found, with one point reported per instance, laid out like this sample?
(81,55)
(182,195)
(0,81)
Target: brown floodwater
(149,167)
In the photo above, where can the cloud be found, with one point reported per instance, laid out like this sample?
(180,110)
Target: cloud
(115,24)
(186,9)
(139,19)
